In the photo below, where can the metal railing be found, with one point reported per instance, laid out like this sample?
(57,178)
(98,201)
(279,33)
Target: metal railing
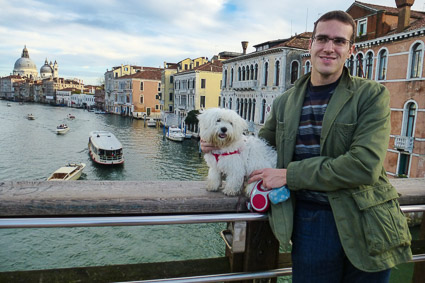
(47,222)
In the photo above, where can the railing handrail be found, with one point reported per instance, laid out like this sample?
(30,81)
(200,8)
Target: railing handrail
(101,221)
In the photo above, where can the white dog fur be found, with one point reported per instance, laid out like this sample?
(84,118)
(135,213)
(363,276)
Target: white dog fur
(238,155)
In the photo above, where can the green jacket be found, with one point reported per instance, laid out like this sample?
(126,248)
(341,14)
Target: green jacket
(353,145)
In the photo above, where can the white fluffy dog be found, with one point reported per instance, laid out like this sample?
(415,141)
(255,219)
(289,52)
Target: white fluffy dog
(238,155)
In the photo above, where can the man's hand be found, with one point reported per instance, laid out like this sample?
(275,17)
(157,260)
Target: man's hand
(207,147)
(272,178)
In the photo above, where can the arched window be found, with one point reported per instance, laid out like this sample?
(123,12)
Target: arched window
(350,64)
(253,109)
(382,64)
(252,72)
(249,109)
(276,73)
(230,103)
(237,105)
(225,78)
(294,71)
(263,111)
(224,102)
(243,73)
(245,108)
(239,74)
(266,73)
(247,73)
(256,72)
(410,115)
(369,65)
(416,60)
(231,77)
(241,108)
(359,65)
(307,67)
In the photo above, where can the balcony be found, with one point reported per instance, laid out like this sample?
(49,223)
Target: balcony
(404,143)
(245,85)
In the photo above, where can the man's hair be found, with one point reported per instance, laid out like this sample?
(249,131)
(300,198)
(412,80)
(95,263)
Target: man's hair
(340,16)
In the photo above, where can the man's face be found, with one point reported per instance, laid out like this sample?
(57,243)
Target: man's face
(328,58)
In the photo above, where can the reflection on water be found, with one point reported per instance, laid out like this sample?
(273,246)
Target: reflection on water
(31,150)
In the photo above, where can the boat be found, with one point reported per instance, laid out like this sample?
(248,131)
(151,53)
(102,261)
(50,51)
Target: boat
(9,104)
(71,171)
(62,129)
(99,112)
(30,117)
(175,134)
(70,116)
(105,148)
(151,122)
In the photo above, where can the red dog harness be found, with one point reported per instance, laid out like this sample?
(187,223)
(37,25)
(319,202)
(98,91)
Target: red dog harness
(216,155)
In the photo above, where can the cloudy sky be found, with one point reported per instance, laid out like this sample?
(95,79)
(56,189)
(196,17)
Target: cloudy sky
(88,37)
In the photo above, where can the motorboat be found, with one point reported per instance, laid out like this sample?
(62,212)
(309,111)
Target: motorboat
(30,117)
(175,134)
(62,129)
(151,122)
(71,171)
(99,112)
(105,148)
(9,104)
(70,116)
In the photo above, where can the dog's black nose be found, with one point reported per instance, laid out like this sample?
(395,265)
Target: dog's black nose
(223,129)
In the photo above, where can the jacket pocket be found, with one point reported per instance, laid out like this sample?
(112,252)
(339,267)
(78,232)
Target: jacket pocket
(384,224)
(344,134)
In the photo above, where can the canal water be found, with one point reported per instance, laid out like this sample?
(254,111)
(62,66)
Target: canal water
(31,150)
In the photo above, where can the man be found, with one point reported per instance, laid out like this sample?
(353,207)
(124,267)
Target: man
(331,132)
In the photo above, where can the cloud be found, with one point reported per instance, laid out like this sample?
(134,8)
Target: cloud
(88,37)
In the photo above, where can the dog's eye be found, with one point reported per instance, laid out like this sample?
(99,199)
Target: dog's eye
(218,120)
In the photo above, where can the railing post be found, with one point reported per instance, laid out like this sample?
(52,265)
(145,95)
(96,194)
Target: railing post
(260,251)
(419,269)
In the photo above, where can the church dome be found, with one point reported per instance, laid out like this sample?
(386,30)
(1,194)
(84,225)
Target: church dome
(46,69)
(24,66)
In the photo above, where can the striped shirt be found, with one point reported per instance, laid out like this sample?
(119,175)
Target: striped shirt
(310,129)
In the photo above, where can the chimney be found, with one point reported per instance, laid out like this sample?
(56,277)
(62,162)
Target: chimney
(403,7)
(244,46)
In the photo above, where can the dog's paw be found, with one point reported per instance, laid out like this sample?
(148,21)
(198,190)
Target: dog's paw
(230,192)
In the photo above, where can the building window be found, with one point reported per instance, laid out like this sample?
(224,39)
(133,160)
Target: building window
(294,71)
(185,66)
(266,73)
(231,77)
(141,85)
(141,99)
(252,72)
(277,73)
(256,72)
(239,74)
(170,96)
(369,65)
(243,73)
(361,27)
(410,115)
(350,64)
(159,86)
(263,111)
(230,103)
(416,61)
(171,79)
(225,78)
(224,102)
(359,65)
(382,64)
(247,73)
(202,105)
(203,83)
(307,67)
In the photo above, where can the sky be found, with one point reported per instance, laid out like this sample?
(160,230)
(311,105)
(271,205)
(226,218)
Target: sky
(89,37)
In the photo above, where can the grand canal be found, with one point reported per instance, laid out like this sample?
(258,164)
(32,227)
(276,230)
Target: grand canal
(31,150)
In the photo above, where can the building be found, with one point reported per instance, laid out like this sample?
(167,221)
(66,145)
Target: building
(197,88)
(167,89)
(251,81)
(24,66)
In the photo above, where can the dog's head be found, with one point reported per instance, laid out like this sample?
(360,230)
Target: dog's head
(221,127)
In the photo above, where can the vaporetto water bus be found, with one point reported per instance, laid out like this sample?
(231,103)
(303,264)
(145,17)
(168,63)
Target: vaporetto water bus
(105,148)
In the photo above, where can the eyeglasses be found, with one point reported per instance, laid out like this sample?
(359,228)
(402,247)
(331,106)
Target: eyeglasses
(324,39)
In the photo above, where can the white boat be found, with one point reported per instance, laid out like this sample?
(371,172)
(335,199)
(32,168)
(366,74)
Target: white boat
(9,104)
(71,171)
(62,129)
(175,134)
(70,116)
(151,122)
(30,117)
(105,148)
(99,112)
